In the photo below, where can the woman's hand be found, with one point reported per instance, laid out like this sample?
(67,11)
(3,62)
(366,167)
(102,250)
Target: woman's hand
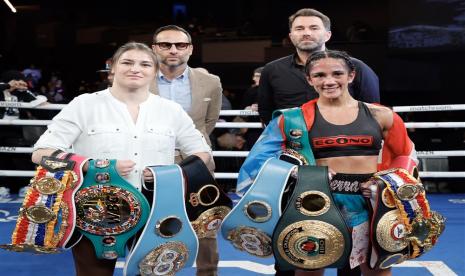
(331,173)
(124,167)
(369,187)
(148,175)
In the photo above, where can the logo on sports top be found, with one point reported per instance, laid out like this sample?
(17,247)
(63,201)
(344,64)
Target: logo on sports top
(342,141)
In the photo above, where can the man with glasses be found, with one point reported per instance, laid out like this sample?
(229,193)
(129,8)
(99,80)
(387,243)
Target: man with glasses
(200,94)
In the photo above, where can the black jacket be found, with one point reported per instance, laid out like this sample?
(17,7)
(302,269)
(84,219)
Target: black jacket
(283,85)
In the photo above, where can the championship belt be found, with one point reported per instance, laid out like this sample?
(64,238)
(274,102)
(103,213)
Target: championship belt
(46,218)
(311,233)
(206,203)
(109,209)
(68,198)
(250,224)
(168,242)
(402,224)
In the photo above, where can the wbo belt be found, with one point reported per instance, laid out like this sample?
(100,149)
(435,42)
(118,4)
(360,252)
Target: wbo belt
(250,224)
(109,209)
(206,203)
(402,225)
(46,218)
(168,242)
(311,233)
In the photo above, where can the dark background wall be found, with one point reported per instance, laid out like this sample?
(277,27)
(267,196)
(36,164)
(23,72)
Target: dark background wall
(416,47)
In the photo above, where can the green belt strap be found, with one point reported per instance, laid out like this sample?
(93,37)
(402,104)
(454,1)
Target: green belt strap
(294,120)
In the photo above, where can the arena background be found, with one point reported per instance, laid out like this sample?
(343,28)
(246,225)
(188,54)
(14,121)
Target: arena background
(417,48)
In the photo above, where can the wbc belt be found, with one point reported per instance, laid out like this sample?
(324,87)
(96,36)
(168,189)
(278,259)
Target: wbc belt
(250,224)
(168,242)
(311,233)
(402,225)
(46,218)
(206,203)
(109,209)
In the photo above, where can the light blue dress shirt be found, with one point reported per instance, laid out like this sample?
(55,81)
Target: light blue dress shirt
(177,90)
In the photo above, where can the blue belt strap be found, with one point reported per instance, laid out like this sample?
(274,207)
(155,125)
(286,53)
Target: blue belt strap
(268,188)
(168,201)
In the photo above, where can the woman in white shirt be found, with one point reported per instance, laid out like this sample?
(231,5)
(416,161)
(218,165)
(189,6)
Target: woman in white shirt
(125,122)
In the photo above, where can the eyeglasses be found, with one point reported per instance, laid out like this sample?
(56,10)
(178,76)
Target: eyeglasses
(178,45)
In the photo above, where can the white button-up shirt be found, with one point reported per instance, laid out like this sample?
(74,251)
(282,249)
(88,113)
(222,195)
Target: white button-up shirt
(98,125)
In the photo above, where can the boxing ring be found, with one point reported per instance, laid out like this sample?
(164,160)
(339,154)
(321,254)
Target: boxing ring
(446,258)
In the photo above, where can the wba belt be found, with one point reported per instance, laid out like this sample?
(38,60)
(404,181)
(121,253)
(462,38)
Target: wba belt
(250,224)
(46,218)
(109,209)
(402,224)
(311,233)
(205,201)
(168,242)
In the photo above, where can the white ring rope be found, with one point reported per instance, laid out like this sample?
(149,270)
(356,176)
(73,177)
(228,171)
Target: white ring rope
(18,122)
(219,153)
(415,108)
(223,175)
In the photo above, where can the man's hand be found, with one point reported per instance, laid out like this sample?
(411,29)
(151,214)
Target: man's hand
(17,85)
(124,167)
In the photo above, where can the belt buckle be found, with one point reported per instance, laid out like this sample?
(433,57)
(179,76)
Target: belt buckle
(251,240)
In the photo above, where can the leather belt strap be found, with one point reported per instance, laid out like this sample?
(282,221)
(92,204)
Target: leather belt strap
(311,233)
(109,209)
(207,204)
(250,224)
(168,242)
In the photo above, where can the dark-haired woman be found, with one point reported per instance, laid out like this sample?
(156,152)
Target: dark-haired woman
(331,121)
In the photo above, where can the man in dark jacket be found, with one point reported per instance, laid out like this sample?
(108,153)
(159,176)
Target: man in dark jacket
(283,83)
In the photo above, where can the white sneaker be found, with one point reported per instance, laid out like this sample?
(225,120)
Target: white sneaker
(22,192)
(4,193)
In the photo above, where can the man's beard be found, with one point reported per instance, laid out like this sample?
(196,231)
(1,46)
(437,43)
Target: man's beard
(172,65)
(310,48)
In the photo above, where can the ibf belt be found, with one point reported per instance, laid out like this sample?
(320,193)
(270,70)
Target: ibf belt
(250,224)
(403,226)
(43,219)
(311,233)
(206,203)
(168,242)
(109,209)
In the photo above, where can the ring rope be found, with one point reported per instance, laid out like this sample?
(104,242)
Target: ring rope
(221,175)
(18,122)
(224,153)
(224,175)
(415,108)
